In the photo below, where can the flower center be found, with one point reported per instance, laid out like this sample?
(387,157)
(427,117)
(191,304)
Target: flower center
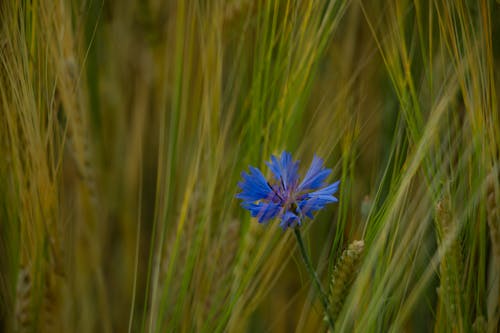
(294,208)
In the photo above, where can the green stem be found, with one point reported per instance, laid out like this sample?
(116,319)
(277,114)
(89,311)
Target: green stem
(312,272)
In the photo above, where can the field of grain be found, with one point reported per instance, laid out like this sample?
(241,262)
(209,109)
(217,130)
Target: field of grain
(125,127)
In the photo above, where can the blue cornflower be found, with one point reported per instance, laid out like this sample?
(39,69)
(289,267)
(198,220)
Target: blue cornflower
(284,196)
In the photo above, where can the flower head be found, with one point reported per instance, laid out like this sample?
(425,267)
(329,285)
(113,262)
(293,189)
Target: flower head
(284,196)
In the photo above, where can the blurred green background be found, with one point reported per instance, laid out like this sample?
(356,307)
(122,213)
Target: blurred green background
(125,126)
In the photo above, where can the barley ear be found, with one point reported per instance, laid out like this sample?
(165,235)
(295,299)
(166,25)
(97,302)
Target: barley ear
(480,325)
(24,321)
(493,301)
(451,266)
(50,310)
(343,276)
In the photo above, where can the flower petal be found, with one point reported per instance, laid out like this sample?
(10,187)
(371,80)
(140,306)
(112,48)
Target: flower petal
(254,186)
(325,191)
(289,219)
(315,176)
(285,170)
(317,200)
(264,211)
